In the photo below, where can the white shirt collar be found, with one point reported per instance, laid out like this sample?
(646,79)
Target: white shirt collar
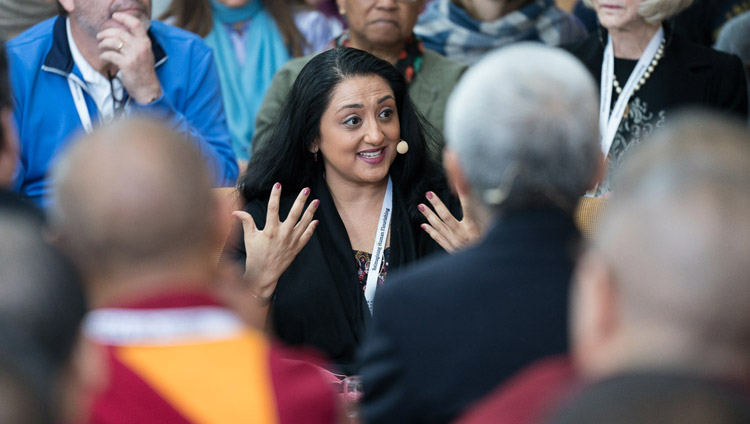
(97,84)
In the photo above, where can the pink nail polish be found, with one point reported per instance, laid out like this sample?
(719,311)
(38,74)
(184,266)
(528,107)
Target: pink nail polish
(306,191)
(421,208)
(316,203)
(424,226)
(277,186)
(429,195)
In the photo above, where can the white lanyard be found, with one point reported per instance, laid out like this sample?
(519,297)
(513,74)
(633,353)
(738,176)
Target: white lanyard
(80,101)
(378,249)
(609,122)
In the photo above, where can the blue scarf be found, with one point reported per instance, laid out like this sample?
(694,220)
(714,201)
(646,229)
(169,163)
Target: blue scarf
(244,87)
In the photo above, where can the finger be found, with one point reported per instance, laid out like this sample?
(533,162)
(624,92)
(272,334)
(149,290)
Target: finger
(307,235)
(439,239)
(434,220)
(296,211)
(248,223)
(111,43)
(114,57)
(442,211)
(117,33)
(306,218)
(272,215)
(133,24)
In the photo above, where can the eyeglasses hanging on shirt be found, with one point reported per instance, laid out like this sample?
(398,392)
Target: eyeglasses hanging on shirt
(118,105)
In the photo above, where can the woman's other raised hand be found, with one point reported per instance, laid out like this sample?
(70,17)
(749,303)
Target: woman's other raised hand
(450,233)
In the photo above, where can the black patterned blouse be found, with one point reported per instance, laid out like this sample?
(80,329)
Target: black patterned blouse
(363,266)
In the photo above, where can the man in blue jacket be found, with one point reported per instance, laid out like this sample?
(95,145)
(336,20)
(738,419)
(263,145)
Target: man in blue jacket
(103,58)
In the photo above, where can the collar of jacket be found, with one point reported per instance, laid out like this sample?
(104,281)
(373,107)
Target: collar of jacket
(59,59)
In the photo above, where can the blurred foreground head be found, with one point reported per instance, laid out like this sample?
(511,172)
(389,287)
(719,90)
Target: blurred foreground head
(133,201)
(665,285)
(655,399)
(41,308)
(521,129)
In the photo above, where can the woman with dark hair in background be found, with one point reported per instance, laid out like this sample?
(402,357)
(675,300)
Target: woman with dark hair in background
(384,28)
(348,136)
(251,40)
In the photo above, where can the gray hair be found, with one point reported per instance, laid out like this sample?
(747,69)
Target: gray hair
(523,123)
(656,11)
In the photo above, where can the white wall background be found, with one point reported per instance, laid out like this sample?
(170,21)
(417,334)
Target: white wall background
(158,6)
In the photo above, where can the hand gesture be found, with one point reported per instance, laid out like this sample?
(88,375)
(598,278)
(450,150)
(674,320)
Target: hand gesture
(269,252)
(450,233)
(130,50)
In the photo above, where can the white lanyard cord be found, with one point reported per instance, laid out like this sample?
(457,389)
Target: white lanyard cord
(80,102)
(378,249)
(609,122)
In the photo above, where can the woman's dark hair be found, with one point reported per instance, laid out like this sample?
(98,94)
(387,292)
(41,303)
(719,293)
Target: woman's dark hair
(196,17)
(286,157)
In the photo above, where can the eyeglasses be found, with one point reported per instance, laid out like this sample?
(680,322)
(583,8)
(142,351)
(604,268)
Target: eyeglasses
(118,105)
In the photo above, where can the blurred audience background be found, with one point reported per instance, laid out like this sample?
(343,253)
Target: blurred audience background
(490,306)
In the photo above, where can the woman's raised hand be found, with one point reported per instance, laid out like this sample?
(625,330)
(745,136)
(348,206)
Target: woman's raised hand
(269,252)
(450,233)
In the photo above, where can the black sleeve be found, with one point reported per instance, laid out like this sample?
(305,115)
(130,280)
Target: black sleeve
(385,397)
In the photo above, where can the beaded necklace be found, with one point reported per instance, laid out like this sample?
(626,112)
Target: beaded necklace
(655,61)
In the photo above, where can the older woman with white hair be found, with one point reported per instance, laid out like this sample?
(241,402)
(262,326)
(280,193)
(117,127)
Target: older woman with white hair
(646,71)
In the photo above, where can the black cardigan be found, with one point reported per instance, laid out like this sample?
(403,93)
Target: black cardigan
(696,75)
(318,301)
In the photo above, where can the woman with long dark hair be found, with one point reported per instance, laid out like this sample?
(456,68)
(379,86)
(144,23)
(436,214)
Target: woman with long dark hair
(384,29)
(349,137)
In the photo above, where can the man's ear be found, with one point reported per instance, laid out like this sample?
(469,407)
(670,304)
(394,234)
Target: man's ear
(8,148)
(68,5)
(595,315)
(455,173)
(225,201)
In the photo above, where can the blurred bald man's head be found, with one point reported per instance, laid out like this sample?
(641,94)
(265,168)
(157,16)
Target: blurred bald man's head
(133,195)
(666,282)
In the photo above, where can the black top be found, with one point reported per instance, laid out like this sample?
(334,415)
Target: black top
(703,19)
(687,75)
(452,328)
(319,301)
